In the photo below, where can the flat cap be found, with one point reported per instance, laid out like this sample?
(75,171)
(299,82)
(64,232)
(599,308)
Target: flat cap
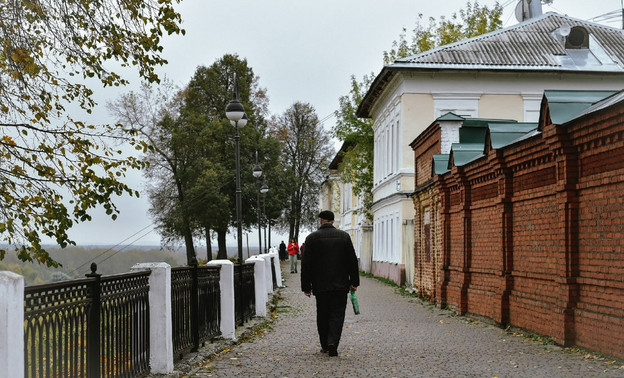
(327,215)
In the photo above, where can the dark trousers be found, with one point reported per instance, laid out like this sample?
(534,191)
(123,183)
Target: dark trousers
(330,315)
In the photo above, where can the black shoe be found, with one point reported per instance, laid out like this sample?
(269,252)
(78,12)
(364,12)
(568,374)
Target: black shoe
(332,351)
(323,350)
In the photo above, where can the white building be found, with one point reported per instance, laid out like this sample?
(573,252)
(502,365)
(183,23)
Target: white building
(338,196)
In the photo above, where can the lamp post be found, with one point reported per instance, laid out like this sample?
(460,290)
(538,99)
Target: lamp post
(264,189)
(257,172)
(235,112)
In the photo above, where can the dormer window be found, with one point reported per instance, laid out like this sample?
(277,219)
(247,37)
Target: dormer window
(578,38)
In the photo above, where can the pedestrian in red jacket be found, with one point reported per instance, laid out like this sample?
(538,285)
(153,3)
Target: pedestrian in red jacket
(293,250)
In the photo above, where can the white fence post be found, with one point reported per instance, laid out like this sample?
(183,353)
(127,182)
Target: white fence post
(161,340)
(278,269)
(11,325)
(267,273)
(226,285)
(259,286)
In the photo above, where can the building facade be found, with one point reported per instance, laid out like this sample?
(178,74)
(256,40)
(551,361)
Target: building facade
(499,75)
(339,197)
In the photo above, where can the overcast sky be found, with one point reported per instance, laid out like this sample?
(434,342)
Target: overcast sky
(302,50)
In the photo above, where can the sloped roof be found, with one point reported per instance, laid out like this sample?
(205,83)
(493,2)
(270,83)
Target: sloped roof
(565,105)
(616,98)
(440,164)
(473,137)
(346,146)
(449,116)
(464,153)
(532,45)
(504,134)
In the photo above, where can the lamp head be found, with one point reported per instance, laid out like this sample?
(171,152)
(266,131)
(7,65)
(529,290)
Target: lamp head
(264,188)
(234,110)
(257,171)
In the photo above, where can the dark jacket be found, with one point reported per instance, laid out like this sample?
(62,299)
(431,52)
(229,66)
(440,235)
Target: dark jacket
(329,262)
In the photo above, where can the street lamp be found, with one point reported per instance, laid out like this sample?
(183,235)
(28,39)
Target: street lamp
(264,189)
(257,172)
(235,112)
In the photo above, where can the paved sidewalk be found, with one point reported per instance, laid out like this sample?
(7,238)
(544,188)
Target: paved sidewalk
(395,336)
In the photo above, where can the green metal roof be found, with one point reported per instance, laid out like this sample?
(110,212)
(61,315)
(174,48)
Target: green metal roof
(474,130)
(472,134)
(485,122)
(504,134)
(464,153)
(440,163)
(450,117)
(565,105)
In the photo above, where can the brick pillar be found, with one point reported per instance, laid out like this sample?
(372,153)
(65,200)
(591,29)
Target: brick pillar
(466,214)
(567,171)
(505,211)
(444,273)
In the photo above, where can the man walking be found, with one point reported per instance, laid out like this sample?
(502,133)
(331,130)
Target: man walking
(329,269)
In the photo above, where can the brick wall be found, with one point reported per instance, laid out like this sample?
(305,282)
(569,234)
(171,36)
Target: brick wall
(532,235)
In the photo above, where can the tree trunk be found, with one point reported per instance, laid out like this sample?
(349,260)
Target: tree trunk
(208,245)
(222,252)
(191,256)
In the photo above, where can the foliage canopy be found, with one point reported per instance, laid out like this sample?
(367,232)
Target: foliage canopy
(56,167)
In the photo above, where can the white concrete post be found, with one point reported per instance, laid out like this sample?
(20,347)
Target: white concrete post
(267,273)
(226,285)
(161,340)
(11,325)
(259,285)
(278,269)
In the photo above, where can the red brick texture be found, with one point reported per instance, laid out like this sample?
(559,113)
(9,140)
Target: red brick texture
(531,235)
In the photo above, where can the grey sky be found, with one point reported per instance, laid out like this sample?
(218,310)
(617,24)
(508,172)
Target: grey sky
(302,50)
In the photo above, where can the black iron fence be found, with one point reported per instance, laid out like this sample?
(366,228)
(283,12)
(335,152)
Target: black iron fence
(245,304)
(88,327)
(196,307)
(99,326)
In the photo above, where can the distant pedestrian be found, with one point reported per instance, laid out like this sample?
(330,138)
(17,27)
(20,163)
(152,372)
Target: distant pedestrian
(329,269)
(293,250)
(282,251)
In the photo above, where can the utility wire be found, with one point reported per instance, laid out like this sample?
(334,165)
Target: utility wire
(113,247)
(152,225)
(128,245)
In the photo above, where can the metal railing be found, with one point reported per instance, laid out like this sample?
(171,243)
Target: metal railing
(88,327)
(248,298)
(100,326)
(195,306)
